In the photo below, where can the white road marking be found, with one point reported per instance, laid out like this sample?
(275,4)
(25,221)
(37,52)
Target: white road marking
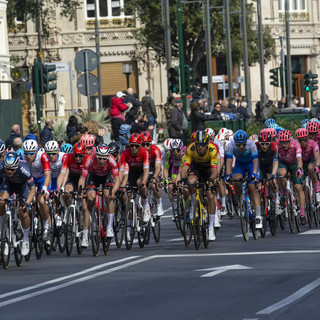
(292,298)
(310,232)
(176,239)
(66,277)
(218,270)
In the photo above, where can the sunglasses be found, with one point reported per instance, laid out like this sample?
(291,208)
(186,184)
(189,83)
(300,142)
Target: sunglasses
(136,146)
(29,154)
(303,140)
(11,169)
(284,142)
(102,158)
(264,143)
(146,144)
(79,156)
(89,148)
(241,144)
(177,150)
(52,153)
(312,133)
(202,144)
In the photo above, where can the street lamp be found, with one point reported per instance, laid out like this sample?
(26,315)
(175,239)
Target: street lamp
(127,70)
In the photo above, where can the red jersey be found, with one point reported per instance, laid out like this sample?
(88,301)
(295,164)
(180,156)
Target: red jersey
(75,169)
(140,162)
(93,166)
(154,156)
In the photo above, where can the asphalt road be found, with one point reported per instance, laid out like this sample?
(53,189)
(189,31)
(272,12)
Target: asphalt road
(272,278)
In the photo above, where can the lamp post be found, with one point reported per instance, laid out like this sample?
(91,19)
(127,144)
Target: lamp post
(127,70)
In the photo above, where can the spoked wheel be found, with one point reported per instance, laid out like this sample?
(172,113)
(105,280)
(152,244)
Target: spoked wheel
(205,231)
(69,236)
(290,212)
(48,243)
(5,243)
(79,230)
(244,218)
(308,207)
(106,241)
(197,227)
(156,228)
(142,232)
(264,205)
(95,233)
(181,205)
(187,225)
(272,217)
(297,216)
(118,224)
(37,236)
(317,214)
(282,218)
(61,235)
(147,230)
(18,257)
(27,257)
(128,227)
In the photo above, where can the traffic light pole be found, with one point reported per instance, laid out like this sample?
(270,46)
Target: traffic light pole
(289,73)
(37,91)
(181,57)
(229,47)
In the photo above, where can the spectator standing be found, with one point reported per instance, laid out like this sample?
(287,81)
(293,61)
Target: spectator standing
(72,127)
(134,110)
(15,132)
(33,134)
(243,111)
(176,130)
(233,105)
(217,111)
(141,125)
(117,112)
(197,118)
(294,104)
(46,133)
(148,108)
(282,103)
(197,92)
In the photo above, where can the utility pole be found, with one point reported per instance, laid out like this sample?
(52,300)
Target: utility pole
(167,36)
(289,73)
(245,53)
(261,56)
(181,57)
(207,26)
(282,70)
(37,90)
(97,37)
(37,65)
(228,47)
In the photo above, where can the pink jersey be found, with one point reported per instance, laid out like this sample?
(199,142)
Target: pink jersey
(308,152)
(318,138)
(290,156)
(93,166)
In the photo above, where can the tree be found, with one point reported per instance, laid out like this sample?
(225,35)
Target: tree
(151,34)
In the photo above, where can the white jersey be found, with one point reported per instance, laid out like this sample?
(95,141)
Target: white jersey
(39,165)
(220,146)
(56,166)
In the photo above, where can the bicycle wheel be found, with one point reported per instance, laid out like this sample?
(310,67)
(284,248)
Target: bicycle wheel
(48,243)
(129,228)
(37,236)
(264,206)
(18,234)
(180,207)
(205,231)
(118,224)
(187,224)
(316,214)
(290,212)
(95,232)
(5,243)
(79,229)
(69,236)
(308,206)
(61,231)
(282,218)
(297,217)
(244,218)
(197,227)
(272,217)
(156,228)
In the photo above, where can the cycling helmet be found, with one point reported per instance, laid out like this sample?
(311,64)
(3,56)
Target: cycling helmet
(79,148)
(221,138)
(201,137)
(272,132)
(230,133)
(210,132)
(279,129)
(103,150)
(11,160)
(193,136)
(265,130)
(88,140)
(2,147)
(51,146)
(114,148)
(264,136)
(146,137)
(315,120)
(301,133)
(304,123)
(268,122)
(66,148)
(135,138)
(273,126)
(176,143)
(285,135)
(240,136)
(312,127)
(223,131)
(30,146)
(254,137)
(166,144)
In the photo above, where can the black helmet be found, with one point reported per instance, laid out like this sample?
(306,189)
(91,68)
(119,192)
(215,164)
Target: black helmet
(201,137)
(114,148)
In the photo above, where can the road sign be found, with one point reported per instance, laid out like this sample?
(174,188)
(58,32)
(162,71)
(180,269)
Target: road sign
(217,270)
(80,60)
(215,79)
(60,66)
(93,84)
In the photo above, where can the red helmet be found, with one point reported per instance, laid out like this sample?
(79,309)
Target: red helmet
(146,137)
(88,140)
(264,136)
(301,133)
(79,148)
(285,135)
(135,138)
(312,127)
(272,132)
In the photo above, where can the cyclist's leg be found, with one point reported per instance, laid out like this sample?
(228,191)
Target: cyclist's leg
(314,178)
(283,170)
(238,172)
(110,211)
(144,198)
(44,208)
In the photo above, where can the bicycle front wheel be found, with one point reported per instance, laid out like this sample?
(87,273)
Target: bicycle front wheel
(273,219)
(264,206)
(118,224)
(129,229)
(309,206)
(5,243)
(69,236)
(95,232)
(197,227)
(244,218)
(187,223)
(156,228)
(290,212)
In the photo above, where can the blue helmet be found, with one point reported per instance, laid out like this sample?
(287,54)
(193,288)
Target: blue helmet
(273,126)
(304,123)
(240,137)
(66,148)
(11,160)
(268,122)
(2,147)
(279,129)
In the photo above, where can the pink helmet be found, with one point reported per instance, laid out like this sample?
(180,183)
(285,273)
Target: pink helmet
(285,135)
(313,127)
(301,133)
(272,132)
(265,130)
(88,140)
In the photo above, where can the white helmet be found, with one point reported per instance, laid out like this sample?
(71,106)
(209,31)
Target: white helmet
(223,131)
(30,146)
(51,146)
(103,150)
(230,132)
(210,132)
(167,144)
(221,138)
(2,147)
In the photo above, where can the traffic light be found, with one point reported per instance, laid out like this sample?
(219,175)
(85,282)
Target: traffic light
(46,78)
(274,77)
(313,81)
(306,82)
(188,72)
(174,79)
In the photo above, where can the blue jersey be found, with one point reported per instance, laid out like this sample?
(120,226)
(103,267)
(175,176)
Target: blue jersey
(250,152)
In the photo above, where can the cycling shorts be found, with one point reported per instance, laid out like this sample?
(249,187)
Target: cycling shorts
(264,171)
(305,164)
(53,184)
(244,169)
(292,169)
(203,173)
(94,180)
(39,182)
(133,176)
(73,181)
(10,188)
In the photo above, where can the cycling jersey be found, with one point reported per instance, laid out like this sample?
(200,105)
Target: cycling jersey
(245,157)
(39,165)
(75,169)
(218,143)
(154,156)
(308,152)
(57,165)
(140,162)
(172,162)
(209,159)
(290,156)
(267,158)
